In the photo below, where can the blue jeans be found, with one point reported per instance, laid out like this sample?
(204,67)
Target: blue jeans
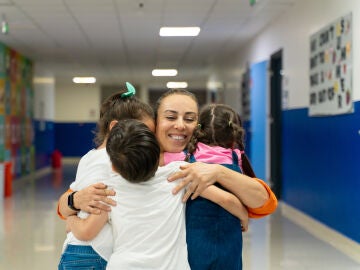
(81,257)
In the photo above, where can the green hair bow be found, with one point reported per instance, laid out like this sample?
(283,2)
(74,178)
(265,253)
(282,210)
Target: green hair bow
(131,90)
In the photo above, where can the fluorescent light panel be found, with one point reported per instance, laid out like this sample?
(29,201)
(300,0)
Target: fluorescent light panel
(164,72)
(44,80)
(84,79)
(179,31)
(177,85)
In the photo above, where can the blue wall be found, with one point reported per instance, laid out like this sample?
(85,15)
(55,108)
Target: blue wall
(74,139)
(320,159)
(44,143)
(258,88)
(71,139)
(321,168)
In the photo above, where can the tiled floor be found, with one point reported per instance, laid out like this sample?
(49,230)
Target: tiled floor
(31,234)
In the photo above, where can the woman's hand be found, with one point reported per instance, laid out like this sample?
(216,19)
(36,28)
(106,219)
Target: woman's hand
(94,198)
(196,177)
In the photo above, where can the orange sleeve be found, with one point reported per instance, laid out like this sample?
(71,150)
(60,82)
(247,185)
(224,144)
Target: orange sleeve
(58,207)
(269,206)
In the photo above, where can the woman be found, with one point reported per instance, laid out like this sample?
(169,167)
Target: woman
(176,114)
(176,119)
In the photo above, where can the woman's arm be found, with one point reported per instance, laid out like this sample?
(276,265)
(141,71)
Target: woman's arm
(63,210)
(198,176)
(229,202)
(92,199)
(87,229)
(268,207)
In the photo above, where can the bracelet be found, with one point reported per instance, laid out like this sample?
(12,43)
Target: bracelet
(71,202)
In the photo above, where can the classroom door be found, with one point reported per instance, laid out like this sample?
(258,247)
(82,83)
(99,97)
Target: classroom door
(276,122)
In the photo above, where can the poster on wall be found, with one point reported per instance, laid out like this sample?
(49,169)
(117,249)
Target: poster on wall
(331,67)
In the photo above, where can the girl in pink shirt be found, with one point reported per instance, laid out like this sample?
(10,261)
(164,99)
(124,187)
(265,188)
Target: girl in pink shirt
(217,242)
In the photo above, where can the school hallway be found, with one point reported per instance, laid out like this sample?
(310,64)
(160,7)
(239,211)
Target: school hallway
(32,235)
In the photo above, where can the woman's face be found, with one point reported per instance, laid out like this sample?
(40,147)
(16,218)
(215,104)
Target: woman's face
(176,120)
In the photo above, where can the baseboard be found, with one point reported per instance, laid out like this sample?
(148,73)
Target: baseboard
(31,176)
(43,171)
(344,244)
(70,160)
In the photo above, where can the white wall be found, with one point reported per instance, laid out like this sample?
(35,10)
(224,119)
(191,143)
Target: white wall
(81,103)
(77,103)
(44,101)
(232,95)
(292,32)
(44,93)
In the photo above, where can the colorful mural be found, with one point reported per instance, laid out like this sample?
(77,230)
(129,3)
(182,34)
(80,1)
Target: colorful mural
(16,111)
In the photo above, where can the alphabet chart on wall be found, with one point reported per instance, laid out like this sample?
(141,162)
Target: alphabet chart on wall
(331,66)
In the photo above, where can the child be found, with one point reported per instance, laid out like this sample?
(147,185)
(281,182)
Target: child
(217,243)
(148,222)
(93,166)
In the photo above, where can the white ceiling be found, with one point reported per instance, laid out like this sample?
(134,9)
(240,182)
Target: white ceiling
(118,40)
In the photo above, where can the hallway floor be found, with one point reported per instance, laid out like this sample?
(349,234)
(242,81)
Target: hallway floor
(32,235)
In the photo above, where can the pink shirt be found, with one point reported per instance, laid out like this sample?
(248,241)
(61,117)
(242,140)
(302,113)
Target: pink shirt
(220,155)
(207,154)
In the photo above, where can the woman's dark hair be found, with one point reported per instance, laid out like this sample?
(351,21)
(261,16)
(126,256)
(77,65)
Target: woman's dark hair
(133,150)
(118,108)
(220,125)
(173,92)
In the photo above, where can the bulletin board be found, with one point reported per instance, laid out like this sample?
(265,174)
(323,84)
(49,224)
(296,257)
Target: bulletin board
(331,69)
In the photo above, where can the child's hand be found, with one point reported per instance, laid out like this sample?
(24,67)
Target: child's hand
(244,224)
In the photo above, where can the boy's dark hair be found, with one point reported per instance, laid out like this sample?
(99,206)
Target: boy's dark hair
(220,125)
(119,108)
(133,150)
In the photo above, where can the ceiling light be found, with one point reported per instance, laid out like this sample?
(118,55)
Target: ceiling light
(164,72)
(177,85)
(179,31)
(4,26)
(214,85)
(84,79)
(44,80)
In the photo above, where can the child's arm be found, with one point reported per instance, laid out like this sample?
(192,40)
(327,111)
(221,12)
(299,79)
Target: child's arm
(229,202)
(87,229)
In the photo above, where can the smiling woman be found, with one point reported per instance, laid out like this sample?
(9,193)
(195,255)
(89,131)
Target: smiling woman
(176,114)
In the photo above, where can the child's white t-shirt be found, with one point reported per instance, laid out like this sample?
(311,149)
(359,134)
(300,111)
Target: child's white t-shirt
(148,223)
(94,167)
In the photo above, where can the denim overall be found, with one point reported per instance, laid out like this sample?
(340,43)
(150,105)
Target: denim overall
(81,257)
(213,235)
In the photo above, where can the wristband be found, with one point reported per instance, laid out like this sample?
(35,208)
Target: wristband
(71,202)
